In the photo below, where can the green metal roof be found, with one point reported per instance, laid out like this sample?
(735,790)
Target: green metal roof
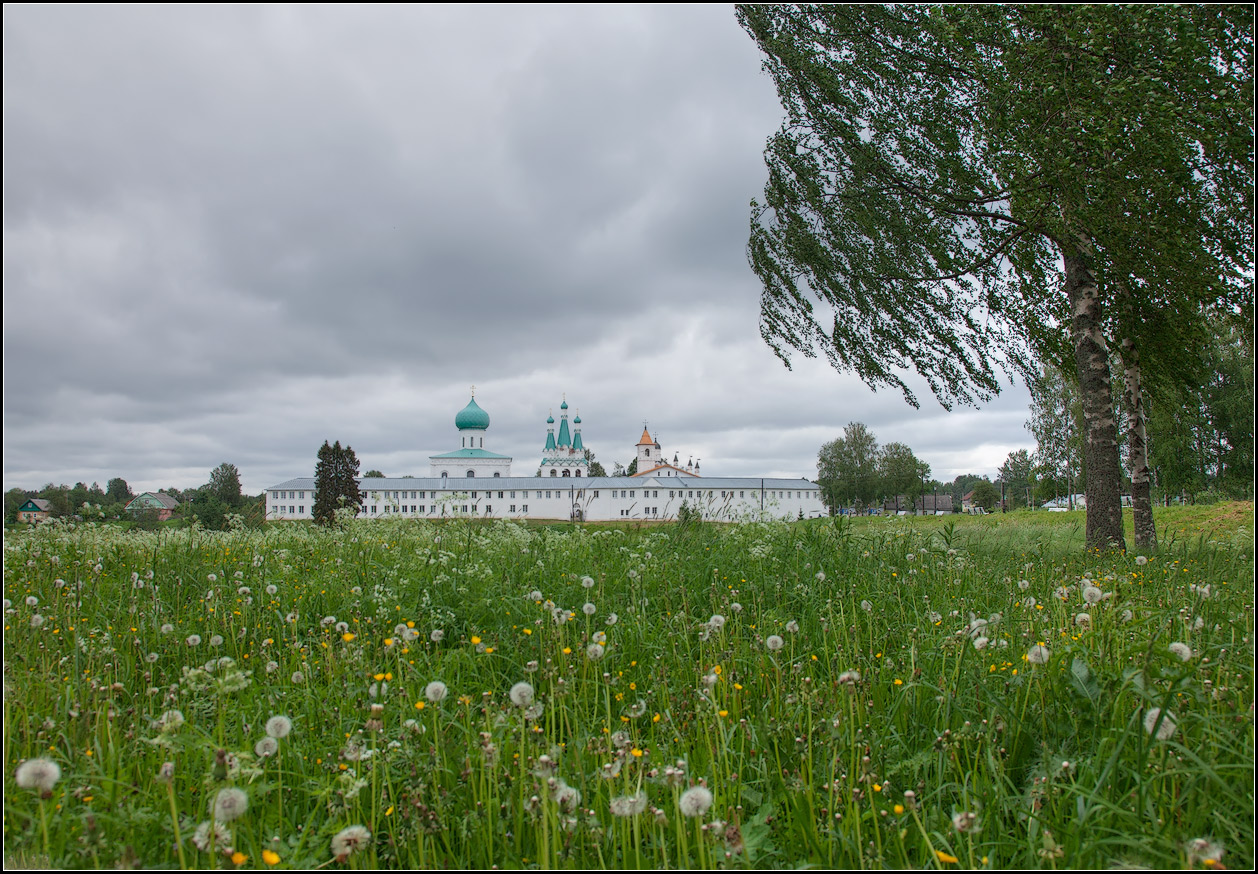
(470,453)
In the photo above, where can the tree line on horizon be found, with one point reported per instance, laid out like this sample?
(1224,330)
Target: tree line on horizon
(209,504)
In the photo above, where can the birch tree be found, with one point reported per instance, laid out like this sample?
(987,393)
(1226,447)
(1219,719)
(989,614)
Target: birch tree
(953,185)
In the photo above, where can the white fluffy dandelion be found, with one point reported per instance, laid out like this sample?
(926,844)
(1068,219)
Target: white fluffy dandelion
(628,805)
(980,643)
(229,804)
(436,691)
(1083,620)
(850,678)
(266,747)
(792,627)
(39,775)
(1038,654)
(867,607)
(1092,595)
(1159,724)
(717,621)
(212,834)
(193,640)
(695,801)
(587,582)
(774,642)
(594,652)
(437,635)
(521,694)
(349,840)
(589,609)
(1183,650)
(1142,560)
(279,727)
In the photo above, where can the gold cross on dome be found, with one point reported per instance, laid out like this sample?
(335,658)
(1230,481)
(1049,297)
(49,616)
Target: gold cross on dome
(473,391)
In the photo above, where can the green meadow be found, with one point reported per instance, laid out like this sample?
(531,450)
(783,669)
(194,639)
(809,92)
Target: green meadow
(878,693)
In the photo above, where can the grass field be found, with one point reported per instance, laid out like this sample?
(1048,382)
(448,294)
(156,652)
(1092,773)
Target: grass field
(937,692)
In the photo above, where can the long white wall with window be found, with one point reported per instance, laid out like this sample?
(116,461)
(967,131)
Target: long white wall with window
(588,499)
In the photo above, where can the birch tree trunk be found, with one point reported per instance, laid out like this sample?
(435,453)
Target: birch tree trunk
(1104,476)
(1146,535)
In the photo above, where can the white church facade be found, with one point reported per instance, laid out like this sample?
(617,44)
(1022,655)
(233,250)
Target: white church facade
(475,482)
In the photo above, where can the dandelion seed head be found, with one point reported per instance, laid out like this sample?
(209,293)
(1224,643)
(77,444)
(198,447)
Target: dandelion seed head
(774,642)
(867,607)
(1183,650)
(167,628)
(193,640)
(278,726)
(230,803)
(594,652)
(1092,595)
(792,627)
(1165,728)
(850,678)
(37,621)
(39,775)
(212,834)
(266,747)
(1083,620)
(695,801)
(349,840)
(628,805)
(717,621)
(1038,654)
(436,691)
(521,694)
(980,643)
(1142,560)
(589,609)
(587,582)
(612,619)
(216,640)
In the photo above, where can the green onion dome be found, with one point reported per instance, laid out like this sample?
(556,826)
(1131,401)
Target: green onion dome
(472,417)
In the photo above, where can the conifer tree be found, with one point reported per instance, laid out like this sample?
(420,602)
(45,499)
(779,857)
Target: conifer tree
(336,482)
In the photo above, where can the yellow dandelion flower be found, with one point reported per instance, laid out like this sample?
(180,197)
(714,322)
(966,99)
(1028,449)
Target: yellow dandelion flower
(419,705)
(475,639)
(239,858)
(898,809)
(944,857)
(348,636)
(270,857)
(899,682)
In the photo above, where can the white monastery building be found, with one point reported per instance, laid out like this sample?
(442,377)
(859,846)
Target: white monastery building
(472,481)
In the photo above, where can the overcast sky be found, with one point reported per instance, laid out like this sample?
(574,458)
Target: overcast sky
(232,233)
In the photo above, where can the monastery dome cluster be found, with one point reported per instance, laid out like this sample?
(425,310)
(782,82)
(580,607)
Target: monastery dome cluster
(472,481)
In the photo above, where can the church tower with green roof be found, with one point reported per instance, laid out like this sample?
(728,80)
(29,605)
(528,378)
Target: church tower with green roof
(471,460)
(564,455)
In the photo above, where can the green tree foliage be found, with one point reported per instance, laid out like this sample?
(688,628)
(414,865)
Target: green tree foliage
(224,484)
(952,180)
(900,472)
(336,482)
(373,474)
(596,469)
(118,492)
(632,468)
(985,495)
(847,468)
(1016,473)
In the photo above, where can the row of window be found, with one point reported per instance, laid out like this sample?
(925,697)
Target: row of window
(616,493)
